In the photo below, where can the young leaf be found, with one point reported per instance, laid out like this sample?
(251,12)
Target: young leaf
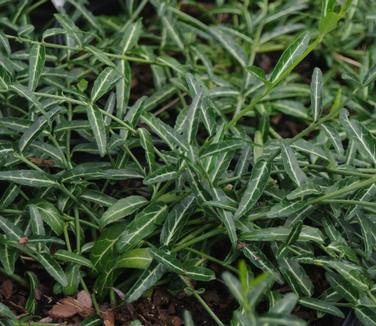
(316,93)
(289,57)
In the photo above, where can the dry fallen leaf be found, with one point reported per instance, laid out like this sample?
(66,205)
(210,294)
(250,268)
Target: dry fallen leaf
(108,317)
(7,288)
(84,298)
(63,311)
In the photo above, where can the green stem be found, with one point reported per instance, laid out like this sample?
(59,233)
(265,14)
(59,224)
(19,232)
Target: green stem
(205,236)
(350,202)
(202,302)
(213,259)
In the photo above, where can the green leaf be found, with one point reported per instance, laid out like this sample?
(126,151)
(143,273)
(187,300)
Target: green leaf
(104,82)
(221,147)
(10,229)
(287,60)
(192,120)
(131,35)
(148,279)
(122,208)
(280,319)
(284,209)
(5,43)
(259,259)
(256,185)
(176,219)
(100,55)
(103,251)
(370,76)
(28,178)
(52,268)
(71,257)
(90,18)
(234,286)
(316,93)
(6,312)
(323,306)
(291,165)
(229,44)
(164,173)
(164,131)
(139,258)
(141,227)
(27,94)
(36,64)
(280,233)
(360,135)
(334,137)
(98,127)
(296,276)
(366,315)
(51,215)
(257,72)
(172,264)
(36,128)
(285,305)
(147,145)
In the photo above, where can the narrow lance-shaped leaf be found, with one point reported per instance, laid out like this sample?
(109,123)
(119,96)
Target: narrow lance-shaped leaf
(122,208)
(229,44)
(288,59)
(370,76)
(98,127)
(164,131)
(334,137)
(291,165)
(148,279)
(28,178)
(51,216)
(360,135)
(147,145)
(322,306)
(71,257)
(316,93)
(176,219)
(10,229)
(256,185)
(36,64)
(296,276)
(36,128)
(141,227)
(193,118)
(52,267)
(106,79)
(194,272)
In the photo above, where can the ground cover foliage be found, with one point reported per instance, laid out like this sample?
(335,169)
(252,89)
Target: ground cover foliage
(186,143)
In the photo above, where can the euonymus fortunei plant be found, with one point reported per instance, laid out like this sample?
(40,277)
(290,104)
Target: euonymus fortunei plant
(150,145)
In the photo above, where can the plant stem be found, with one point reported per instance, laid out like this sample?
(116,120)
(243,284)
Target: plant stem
(202,302)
